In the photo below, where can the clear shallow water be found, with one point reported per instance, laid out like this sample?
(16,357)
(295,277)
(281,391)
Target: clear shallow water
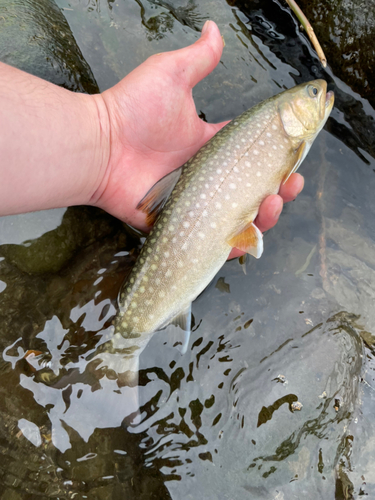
(217,421)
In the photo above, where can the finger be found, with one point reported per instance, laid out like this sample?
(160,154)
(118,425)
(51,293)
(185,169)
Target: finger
(269,212)
(235,253)
(291,189)
(195,62)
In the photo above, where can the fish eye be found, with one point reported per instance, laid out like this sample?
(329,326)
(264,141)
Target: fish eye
(313,91)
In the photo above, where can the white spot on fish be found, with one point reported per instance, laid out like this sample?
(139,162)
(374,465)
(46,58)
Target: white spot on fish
(182,233)
(213,225)
(186,224)
(204,213)
(256,152)
(268,134)
(180,264)
(218,171)
(261,143)
(191,213)
(234,205)
(232,185)
(248,184)
(135,319)
(235,169)
(248,164)
(203,196)
(258,174)
(274,127)
(227,197)
(201,235)
(217,205)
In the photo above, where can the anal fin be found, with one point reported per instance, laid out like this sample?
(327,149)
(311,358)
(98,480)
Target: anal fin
(183,320)
(154,200)
(249,240)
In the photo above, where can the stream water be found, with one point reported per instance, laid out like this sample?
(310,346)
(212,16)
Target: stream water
(217,422)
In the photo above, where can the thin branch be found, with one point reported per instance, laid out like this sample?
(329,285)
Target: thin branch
(309,30)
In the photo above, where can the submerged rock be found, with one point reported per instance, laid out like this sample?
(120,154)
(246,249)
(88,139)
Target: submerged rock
(35,37)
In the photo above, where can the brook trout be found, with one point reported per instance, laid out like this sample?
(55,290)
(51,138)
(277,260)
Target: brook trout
(207,207)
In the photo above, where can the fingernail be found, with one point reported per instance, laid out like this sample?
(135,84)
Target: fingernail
(277,212)
(205,27)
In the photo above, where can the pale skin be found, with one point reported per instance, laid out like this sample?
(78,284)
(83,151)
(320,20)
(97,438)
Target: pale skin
(60,148)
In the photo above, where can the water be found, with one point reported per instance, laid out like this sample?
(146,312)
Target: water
(218,421)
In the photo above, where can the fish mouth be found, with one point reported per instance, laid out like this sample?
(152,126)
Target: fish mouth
(330,97)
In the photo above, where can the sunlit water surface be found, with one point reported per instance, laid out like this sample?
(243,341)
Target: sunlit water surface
(223,420)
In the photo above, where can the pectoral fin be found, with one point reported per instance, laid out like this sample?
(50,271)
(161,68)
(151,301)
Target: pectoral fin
(300,156)
(242,261)
(249,240)
(153,202)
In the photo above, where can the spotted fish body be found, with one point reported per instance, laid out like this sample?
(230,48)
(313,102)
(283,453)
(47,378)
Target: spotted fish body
(213,205)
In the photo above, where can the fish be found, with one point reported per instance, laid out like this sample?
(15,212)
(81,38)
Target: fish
(203,209)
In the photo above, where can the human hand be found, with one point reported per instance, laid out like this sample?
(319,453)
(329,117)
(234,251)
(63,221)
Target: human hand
(153,128)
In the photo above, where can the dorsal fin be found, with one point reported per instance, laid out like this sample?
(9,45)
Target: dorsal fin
(154,200)
(249,240)
(301,153)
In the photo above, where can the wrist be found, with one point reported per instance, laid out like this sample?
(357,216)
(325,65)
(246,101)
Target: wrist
(98,172)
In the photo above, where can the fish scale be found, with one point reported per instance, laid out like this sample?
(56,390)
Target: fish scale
(216,197)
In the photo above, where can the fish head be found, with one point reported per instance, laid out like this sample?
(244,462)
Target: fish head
(304,109)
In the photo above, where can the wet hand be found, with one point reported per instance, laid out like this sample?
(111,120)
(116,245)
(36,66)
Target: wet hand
(152,128)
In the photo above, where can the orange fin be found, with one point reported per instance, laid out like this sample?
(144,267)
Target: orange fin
(249,240)
(301,153)
(153,202)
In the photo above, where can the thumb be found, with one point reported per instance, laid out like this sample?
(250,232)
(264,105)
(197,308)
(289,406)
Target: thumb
(198,60)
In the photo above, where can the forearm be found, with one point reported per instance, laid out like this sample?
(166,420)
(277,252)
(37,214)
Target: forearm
(54,147)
